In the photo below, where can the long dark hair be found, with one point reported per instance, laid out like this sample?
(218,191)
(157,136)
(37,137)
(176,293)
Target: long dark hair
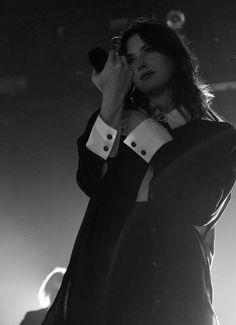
(187,87)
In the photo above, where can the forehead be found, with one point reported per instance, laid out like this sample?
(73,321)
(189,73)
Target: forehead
(135,44)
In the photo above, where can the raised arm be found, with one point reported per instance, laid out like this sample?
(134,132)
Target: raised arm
(101,138)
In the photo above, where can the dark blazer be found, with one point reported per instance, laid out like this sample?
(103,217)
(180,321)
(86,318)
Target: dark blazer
(142,263)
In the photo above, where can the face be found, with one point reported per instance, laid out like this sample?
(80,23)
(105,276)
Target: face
(152,70)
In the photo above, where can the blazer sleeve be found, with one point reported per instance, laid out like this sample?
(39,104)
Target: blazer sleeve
(90,165)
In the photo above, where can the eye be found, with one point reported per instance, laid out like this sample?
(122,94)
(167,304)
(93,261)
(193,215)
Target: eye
(131,60)
(148,49)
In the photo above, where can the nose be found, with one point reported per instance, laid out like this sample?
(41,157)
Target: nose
(141,63)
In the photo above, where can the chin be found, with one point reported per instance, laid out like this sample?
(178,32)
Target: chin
(153,90)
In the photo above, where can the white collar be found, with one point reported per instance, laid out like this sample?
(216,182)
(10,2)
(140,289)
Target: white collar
(175,118)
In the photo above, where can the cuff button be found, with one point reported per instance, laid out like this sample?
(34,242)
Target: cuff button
(109,136)
(143,152)
(133,144)
(105,148)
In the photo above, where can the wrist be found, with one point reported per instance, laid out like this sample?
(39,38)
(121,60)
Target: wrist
(110,97)
(111,113)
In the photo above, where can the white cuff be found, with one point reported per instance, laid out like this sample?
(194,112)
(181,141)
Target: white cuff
(147,138)
(101,139)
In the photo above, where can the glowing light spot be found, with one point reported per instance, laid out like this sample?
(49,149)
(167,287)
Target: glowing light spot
(55,277)
(175,19)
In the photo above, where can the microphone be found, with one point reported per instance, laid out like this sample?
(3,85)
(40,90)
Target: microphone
(98,58)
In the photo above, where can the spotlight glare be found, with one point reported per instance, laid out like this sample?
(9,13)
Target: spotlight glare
(175,19)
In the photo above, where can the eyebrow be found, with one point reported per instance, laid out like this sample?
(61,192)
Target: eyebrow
(141,49)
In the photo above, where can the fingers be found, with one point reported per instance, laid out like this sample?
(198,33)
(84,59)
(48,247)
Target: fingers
(95,79)
(116,75)
(126,67)
(94,76)
(124,61)
(111,56)
(94,73)
(114,57)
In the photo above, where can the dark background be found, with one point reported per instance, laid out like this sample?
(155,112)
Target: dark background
(46,98)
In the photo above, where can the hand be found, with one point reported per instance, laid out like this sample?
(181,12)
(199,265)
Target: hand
(131,119)
(115,80)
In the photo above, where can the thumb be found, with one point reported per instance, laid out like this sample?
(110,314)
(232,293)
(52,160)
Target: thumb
(94,75)
(111,56)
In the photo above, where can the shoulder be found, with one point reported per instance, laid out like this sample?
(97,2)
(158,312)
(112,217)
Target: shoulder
(208,125)
(205,138)
(202,129)
(218,130)
(213,139)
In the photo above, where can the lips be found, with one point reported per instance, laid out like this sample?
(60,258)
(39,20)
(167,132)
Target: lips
(147,75)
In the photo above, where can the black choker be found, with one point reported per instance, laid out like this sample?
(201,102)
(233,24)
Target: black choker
(156,113)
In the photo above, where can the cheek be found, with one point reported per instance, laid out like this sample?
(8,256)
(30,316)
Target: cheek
(168,67)
(167,72)
(160,61)
(136,79)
